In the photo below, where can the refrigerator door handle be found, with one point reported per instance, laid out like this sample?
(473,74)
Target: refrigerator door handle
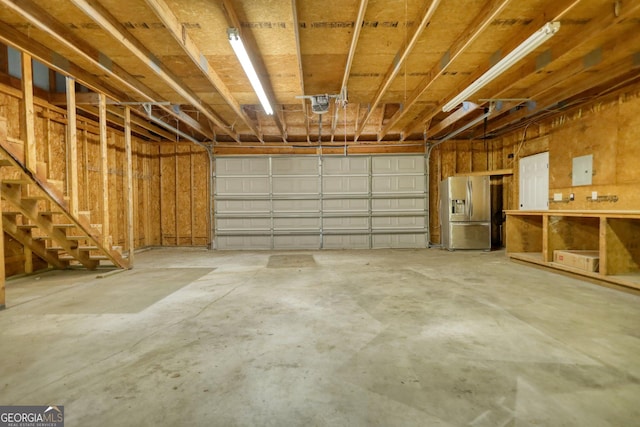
(470,198)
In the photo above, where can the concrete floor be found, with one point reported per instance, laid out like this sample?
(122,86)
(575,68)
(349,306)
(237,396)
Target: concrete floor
(331,338)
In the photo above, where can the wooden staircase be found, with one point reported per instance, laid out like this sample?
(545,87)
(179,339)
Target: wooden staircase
(41,219)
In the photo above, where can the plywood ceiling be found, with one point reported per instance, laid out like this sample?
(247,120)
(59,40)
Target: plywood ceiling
(407,59)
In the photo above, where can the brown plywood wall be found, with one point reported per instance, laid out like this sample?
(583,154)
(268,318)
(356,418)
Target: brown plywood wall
(51,148)
(184,194)
(609,130)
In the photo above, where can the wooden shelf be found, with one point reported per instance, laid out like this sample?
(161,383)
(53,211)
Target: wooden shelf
(534,236)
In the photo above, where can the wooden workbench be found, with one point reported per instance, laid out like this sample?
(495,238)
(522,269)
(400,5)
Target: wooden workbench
(533,236)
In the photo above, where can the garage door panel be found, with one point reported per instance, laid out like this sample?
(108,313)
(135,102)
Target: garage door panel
(242,186)
(227,224)
(345,184)
(296,224)
(295,166)
(243,242)
(379,241)
(346,205)
(296,206)
(402,222)
(242,166)
(243,206)
(345,165)
(353,223)
(390,184)
(296,242)
(397,164)
(297,185)
(398,204)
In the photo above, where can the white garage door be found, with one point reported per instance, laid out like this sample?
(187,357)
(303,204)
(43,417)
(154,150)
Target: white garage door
(311,202)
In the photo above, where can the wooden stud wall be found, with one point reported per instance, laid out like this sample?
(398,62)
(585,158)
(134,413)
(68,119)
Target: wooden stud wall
(184,194)
(50,124)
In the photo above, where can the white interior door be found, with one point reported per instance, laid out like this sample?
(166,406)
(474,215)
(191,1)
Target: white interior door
(534,182)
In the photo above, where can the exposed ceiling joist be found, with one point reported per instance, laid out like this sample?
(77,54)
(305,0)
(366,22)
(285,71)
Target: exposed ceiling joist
(556,12)
(102,17)
(554,97)
(594,28)
(401,56)
(296,30)
(327,47)
(357,28)
(12,37)
(490,11)
(42,20)
(181,35)
(459,114)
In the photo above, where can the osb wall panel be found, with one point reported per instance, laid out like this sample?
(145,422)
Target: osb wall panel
(184,195)
(154,210)
(201,182)
(610,133)
(168,194)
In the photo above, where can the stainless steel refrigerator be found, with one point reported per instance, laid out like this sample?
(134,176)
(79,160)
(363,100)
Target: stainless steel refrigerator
(465,212)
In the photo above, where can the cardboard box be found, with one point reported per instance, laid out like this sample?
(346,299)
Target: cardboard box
(582,260)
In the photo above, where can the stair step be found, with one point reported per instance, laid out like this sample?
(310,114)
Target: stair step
(98,257)
(27,226)
(5,162)
(77,237)
(64,225)
(16,181)
(80,248)
(35,197)
(49,213)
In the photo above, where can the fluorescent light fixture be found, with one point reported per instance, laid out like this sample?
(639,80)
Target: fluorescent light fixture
(247,66)
(467,126)
(536,39)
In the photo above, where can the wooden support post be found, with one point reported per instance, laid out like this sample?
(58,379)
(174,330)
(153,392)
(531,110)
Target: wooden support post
(191,195)
(85,167)
(2,272)
(72,146)
(176,181)
(146,196)
(104,169)
(129,184)
(27,122)
(28,134)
